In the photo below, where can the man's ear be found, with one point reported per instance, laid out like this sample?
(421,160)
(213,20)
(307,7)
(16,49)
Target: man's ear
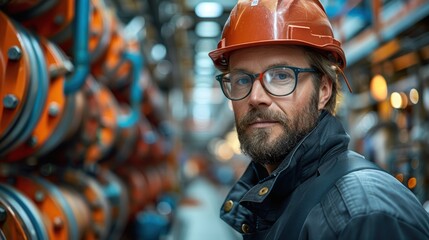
(325,91)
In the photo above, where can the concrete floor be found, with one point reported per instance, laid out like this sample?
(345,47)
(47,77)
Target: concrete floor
(198,217)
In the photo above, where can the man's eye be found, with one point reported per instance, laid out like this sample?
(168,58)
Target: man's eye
(283,76)
(244,80)
(241,80)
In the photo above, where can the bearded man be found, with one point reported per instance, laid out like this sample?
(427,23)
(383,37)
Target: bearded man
(280,64)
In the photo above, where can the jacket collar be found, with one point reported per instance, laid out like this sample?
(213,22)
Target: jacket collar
(325,141)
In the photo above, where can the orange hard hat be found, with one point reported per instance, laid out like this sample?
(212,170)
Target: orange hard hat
(268,22)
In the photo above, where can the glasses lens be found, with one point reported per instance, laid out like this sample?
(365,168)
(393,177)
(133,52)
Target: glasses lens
(236,85)
(280,81)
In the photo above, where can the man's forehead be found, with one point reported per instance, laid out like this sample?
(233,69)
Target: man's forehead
(272,55)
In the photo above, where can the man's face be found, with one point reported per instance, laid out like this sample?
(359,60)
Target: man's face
(269,127)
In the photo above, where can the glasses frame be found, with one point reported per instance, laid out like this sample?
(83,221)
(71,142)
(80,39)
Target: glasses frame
(259,76)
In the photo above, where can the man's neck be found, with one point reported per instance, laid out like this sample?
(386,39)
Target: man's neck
(271,167)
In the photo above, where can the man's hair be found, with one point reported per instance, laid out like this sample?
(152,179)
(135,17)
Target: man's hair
(325,66)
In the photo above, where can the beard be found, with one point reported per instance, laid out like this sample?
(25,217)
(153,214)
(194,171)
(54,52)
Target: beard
(257,145)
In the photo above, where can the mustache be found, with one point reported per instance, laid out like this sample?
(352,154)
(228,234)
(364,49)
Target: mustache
(264,114)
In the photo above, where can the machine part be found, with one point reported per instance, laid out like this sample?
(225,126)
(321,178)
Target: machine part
(148,144)
(100,29)
(22,10)
(56,211)
(124,145)
(82,132)
(21,218)
(37,87)
(117,194)
(169,176)
(99,32)
(16,81)
(155,182)
(68,125)
(94,203)
(105,69)
(100,209)
(129,139)
(97,131)
(137,186)
(10,101)
(135,92)
(80,48)
(152,108)
(151,225)
(55,15)
(109,130)
(53,109)
(80,209)
(14,53)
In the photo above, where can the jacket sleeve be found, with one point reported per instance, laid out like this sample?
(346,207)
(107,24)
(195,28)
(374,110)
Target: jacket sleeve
(382,226)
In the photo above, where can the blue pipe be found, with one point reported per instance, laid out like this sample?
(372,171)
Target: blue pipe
(81,55)
(136,94)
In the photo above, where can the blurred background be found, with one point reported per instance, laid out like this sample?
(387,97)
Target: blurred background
(112,126)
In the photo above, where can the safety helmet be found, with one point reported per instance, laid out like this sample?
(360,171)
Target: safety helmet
(268,22)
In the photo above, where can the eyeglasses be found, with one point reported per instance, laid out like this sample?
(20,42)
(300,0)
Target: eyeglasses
(278,81)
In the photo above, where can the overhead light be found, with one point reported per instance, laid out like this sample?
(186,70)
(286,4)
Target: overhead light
(378,88)
(398,100)
(203,61)
(414,96)
(205,45)
(207,29)
(158,52)
(135,27)
(209,10)
(184,22)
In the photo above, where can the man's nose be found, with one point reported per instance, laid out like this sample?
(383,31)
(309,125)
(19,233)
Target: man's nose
(258,95)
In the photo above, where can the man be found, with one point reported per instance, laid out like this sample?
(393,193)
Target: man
(280,63)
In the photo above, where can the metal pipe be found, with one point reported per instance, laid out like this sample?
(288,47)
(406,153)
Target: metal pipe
(81,55)
(136,93)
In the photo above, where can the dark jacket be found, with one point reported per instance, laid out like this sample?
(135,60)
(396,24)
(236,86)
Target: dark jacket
(366,204)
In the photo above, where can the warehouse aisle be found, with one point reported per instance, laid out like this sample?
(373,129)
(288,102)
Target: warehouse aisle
(197,216)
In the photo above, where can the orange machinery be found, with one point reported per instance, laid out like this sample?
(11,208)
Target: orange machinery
(81,151)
